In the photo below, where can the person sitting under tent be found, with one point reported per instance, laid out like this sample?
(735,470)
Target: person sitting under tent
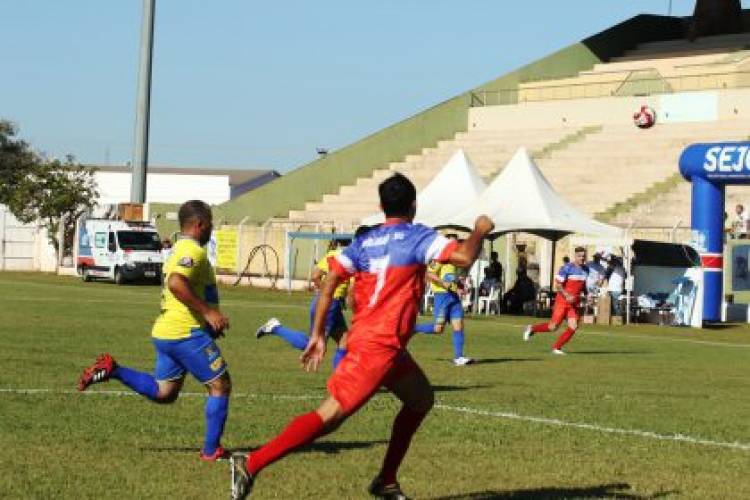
(523,291)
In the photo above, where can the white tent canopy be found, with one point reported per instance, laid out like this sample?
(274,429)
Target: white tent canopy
(521,199)
(456,186)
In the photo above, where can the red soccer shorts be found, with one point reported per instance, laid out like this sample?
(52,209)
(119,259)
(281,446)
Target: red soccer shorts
(363,371)
(562,309)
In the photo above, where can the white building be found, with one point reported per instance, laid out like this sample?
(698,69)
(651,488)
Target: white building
(177,185)
(25,247)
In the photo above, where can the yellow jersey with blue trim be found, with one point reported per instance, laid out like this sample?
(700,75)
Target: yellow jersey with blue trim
(324,265)
(177,321)
(446,272)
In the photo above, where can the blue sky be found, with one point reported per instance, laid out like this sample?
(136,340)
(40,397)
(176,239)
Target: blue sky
(248,84)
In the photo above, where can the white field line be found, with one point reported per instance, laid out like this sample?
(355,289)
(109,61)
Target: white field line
(233,303)
(644,337)
(682,438)
(671,339)
(597,428)
(183,394)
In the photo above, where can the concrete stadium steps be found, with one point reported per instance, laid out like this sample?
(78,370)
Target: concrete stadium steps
(622,161)
(488,150)
(605,168)
(652,68)
(672,208)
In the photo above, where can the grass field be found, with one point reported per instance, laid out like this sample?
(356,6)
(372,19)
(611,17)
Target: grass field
(633,412)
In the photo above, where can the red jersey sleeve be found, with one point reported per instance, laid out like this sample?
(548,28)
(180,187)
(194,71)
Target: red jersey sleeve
(446,252)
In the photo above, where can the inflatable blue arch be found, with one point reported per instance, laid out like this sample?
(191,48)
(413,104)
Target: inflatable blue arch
(711,167)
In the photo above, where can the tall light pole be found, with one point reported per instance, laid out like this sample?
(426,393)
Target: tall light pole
(143,106)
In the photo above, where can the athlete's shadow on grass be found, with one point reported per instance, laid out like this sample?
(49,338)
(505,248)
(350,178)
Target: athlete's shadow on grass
(605,353)
(614,490)
(493,361)
(454,388)
(327,447)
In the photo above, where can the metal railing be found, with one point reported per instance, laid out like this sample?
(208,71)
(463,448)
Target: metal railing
(629,85)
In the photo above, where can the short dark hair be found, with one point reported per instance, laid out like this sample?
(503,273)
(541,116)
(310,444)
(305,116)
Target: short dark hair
(193,211)
(452,236)
(397,195)
(580,249)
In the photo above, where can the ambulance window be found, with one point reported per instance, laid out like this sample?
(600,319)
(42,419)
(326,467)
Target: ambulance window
(100,240)
(112,244)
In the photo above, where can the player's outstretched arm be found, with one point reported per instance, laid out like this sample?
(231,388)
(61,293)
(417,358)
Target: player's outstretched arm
(431,278)
(315,351)
(180,288)
(467,252)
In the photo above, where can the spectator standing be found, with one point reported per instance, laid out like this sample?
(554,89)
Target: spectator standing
(740,222)
(616,283)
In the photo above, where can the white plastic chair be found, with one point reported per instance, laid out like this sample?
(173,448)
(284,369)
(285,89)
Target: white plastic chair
(486,302)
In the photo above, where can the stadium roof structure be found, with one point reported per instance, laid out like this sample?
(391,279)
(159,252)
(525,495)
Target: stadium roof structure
(240,180)
(520,199)
(456,186)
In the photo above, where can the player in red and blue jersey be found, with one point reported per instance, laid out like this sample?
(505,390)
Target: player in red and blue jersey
(388,265)
(570,284)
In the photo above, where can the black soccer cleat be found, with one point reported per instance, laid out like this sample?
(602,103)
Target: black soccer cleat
(379,489)
(242,480)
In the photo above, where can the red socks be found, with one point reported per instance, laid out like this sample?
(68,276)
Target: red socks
(302,430)
(563,338)
(540,328)
(406,424)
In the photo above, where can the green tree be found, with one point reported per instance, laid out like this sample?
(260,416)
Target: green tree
(36,189)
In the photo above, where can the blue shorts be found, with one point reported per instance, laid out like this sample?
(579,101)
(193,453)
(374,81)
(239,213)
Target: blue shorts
(447,307)
(198,354)
(335,321)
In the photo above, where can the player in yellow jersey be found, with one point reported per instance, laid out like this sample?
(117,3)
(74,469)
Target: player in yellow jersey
(184,333)
(335,322)
(443,280)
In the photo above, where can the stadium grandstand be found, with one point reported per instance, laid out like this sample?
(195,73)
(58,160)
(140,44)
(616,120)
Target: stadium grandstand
(573,110)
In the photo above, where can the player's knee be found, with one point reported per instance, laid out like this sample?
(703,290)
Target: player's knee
(439,327)
(332,415)
(167,397)
(424,404)
(221,386)
(553,326)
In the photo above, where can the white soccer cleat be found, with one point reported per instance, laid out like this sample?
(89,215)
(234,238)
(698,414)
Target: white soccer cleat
(559,352)
(267,327)
(462,361)
(528,333)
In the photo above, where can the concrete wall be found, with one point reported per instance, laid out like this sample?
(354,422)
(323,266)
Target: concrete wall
(24,247)
(732,104)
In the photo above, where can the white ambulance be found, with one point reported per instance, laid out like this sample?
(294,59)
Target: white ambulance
(119,251)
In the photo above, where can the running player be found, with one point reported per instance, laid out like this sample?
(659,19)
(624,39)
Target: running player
(335,326)
(570,284)
(388,264)
(443,280)
(184,333)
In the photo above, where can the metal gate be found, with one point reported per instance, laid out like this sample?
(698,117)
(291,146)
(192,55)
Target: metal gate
(17,243)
